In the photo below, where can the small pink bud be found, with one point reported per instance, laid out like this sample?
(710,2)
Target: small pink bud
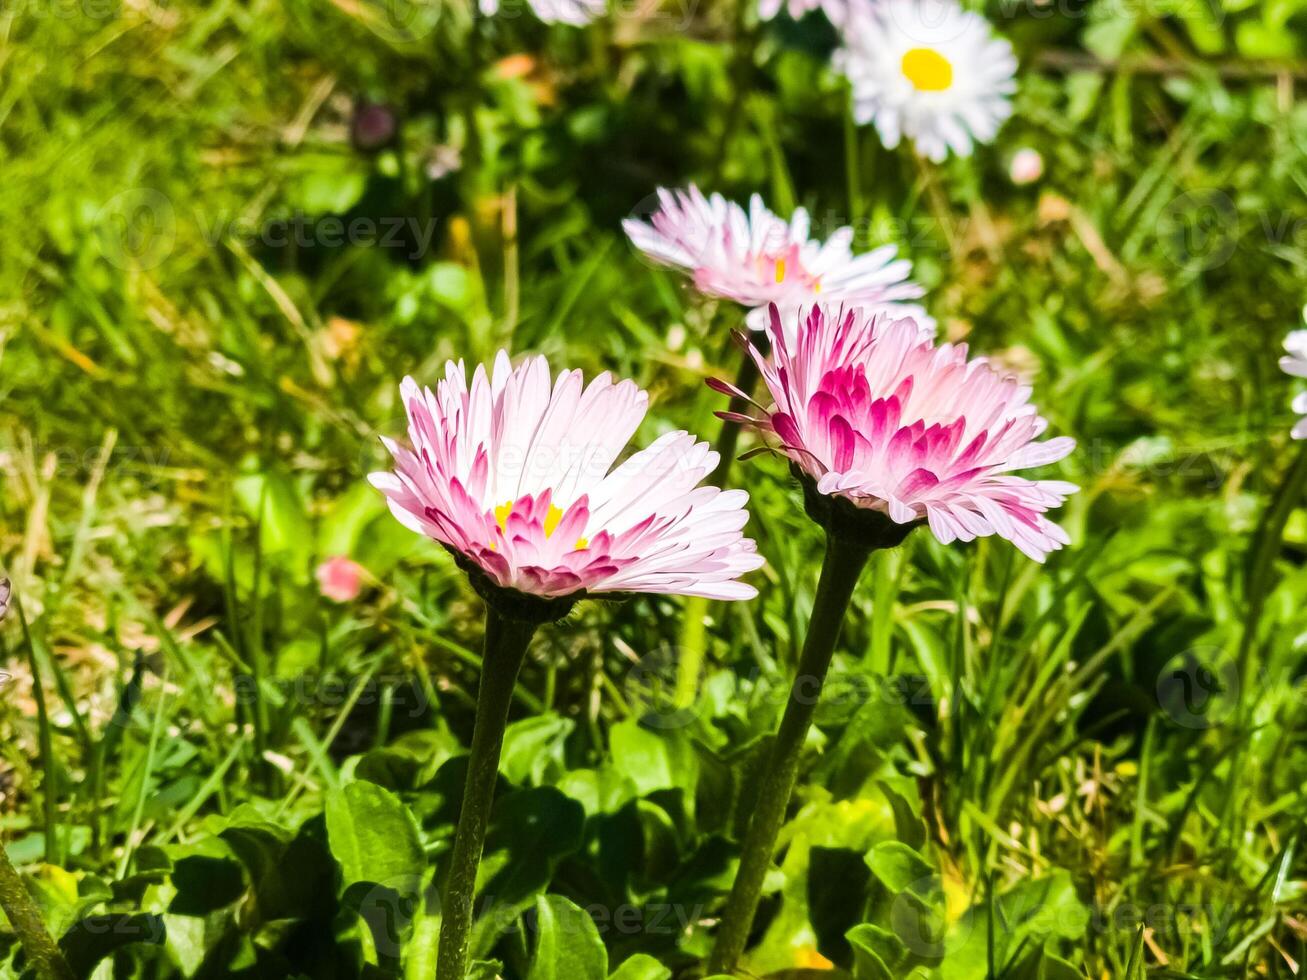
(1027,166)
(339,579)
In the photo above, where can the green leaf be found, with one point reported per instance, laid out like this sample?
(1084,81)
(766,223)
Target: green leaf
(908,825)
(288,879)
(374,838)
(653,760)
(877,953)
(531,831)
(272,499)
(900,868)
(533,748)
(93,938)
(641,966)
(568,946)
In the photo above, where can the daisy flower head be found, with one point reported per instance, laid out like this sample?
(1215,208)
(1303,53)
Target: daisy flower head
(573,12)
(928,70)
(875,417)
(756,258)
(1295,363)
(514,476)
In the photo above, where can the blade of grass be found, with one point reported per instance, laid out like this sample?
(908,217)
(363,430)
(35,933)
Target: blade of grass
(138,810)
(45,741)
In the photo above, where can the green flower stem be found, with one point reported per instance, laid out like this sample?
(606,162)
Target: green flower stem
(694,638)
(505,649)
(845,559)
(25,919)
(746,379)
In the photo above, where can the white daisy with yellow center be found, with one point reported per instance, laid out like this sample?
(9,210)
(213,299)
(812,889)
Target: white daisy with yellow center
(928,70)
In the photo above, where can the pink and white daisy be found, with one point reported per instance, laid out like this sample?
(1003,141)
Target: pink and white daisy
(874,412)
(757,258)
(1296,364)
(515,476)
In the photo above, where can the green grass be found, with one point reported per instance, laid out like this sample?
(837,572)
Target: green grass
(1094,768)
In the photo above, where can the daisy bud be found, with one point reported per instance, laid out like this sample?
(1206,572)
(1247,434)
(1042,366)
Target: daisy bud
(373,126)
(1027,166)
(339,579)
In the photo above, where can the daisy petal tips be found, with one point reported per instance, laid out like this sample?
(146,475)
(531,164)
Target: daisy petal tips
(514,475)
(1295,363)
(870,411)
(836,10)
(573,12)
(928,70)
(756,258)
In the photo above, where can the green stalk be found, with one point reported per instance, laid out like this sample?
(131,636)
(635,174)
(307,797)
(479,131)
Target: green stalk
(45,742)
(505,649)
(1258,574)
(694,636)
(38,944)
(845,559)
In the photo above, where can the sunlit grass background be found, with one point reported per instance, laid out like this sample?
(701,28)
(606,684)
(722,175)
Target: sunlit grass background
(214,269)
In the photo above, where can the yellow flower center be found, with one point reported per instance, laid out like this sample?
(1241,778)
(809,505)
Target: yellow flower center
(555,514)
(502,513)
(927,70)
(780,270)
(551,520)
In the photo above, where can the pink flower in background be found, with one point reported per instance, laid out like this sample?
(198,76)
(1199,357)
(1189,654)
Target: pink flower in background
(1027,166)
(756,258)
(873,411)
(339,579)
(1296,364)
(515,476)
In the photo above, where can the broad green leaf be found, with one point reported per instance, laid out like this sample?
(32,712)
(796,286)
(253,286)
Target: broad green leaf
(653,760)
(93,938)
(567,943)
(641,966)
(374,838)
(900,868)
(877,953)
(533,748)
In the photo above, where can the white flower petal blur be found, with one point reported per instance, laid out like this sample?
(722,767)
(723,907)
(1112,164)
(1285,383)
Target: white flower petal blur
(515,473)
(756,258)
(573,12)
(928,70)
(835,10)
(1296,364)
(874,411)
